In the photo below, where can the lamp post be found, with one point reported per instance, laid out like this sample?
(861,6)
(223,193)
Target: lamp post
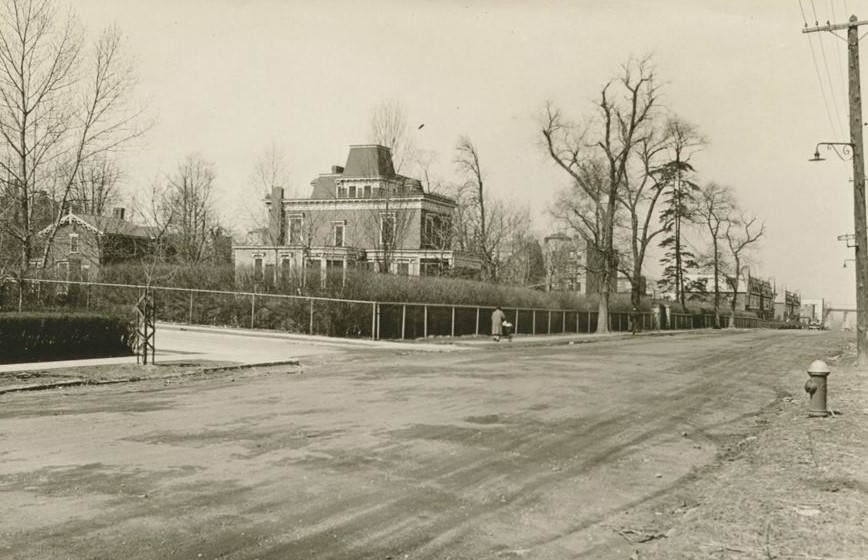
(859,240)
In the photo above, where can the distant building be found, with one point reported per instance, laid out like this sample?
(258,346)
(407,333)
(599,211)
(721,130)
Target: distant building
(574,265)
(788,306)
(362,214)
(812,310)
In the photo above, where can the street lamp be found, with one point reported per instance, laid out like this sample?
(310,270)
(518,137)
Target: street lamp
(853,151)
(844,150)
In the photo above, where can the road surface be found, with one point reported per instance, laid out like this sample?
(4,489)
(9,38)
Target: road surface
(501,451)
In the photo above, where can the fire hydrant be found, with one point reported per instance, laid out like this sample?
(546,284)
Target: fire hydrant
(816,388)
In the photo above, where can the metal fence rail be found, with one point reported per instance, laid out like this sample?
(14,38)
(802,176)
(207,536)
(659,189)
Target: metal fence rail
(332,316)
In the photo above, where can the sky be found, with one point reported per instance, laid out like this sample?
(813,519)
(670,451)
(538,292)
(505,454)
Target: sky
(227,79)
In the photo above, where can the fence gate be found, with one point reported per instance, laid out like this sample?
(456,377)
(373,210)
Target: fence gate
(146,312)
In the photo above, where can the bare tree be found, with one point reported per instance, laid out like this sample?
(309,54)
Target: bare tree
(95,188)
(390,220)
(715,204)
(60,106)
(187,207)
(639,197)
(389,128)
(741,235)
(623,113)
(485,225)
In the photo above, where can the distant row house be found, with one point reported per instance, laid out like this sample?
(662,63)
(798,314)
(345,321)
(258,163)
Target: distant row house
(360,215)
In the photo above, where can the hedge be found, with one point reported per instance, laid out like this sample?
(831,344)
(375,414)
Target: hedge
(45,336)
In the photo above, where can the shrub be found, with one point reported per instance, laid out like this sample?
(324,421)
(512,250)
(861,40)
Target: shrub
(44,336)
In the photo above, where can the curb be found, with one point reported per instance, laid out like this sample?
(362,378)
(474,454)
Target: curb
(77,382)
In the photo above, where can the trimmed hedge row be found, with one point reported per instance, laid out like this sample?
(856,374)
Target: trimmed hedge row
(45,336)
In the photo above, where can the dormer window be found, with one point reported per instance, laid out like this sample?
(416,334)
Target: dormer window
(341,191)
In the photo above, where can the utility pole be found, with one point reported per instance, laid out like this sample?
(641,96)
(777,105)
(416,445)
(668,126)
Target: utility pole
(861,244)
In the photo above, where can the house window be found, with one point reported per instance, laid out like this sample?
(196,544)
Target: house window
(257,269)
(338,234)
(342,192)
(352,192)
(286,269)
(335,272)
(387,229)
(296,224)
(404,268)
(367,191)
(73,243)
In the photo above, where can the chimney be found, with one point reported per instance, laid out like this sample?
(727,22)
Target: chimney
(337,169)
(118,213)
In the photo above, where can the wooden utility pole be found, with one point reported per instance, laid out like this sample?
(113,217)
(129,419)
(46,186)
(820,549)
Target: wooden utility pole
(856,144)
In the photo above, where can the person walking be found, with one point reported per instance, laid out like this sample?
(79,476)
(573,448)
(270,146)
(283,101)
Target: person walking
(497,319)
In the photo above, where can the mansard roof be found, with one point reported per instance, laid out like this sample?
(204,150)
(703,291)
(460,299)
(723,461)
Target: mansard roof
(365,161)
(369,161)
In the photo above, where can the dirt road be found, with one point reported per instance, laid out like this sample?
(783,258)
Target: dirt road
(503,451)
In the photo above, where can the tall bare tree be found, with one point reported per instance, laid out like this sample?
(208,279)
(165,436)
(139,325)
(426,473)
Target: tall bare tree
(484,224)
(742,234)
(715,204)
(639,197)
(623,112)
(187,205)
(390,128)
(60,106)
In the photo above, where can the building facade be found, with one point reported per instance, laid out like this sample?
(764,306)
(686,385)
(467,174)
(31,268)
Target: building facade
(83,243)
(573,265)
(362,214)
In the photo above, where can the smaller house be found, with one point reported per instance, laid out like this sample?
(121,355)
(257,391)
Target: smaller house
(85,242)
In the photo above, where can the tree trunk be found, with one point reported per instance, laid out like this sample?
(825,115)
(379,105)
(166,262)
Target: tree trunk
(635,300)
(603,311)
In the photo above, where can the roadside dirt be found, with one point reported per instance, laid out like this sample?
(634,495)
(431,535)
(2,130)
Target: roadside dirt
(506,451)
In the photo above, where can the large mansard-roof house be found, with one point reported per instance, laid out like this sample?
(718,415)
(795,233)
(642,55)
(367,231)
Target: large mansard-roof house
(362,214)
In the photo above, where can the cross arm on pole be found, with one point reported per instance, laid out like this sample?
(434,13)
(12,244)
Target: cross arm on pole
(835,26)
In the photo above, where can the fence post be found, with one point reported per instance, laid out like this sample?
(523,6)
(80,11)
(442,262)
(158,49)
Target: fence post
(577,321)
(453,321)
(190,314)
(589,321)
(373,320)
(403,320)
(549,323)
(87,298)
(477,321)
(533,322)
(425,320)
(515,327)
(564,322)
(311,317)
(252,310)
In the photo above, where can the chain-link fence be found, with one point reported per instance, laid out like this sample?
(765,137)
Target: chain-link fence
(329,316)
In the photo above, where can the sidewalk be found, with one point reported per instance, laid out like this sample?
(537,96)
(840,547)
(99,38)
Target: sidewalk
(432,344)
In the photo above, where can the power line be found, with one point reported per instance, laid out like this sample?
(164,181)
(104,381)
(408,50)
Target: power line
(835,124)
